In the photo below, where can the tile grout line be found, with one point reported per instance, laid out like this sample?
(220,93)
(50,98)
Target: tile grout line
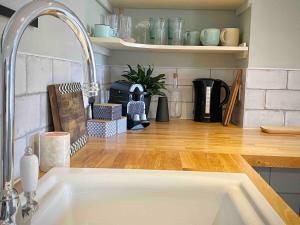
(26,72)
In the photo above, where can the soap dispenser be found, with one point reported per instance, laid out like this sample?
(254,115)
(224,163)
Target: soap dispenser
(29,171)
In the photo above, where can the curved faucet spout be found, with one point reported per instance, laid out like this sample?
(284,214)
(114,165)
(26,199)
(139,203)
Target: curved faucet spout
(10,41)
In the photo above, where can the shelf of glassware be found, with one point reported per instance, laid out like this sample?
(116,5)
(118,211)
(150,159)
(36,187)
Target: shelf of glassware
(119,44)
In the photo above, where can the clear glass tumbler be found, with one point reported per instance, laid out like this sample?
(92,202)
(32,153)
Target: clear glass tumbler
(125,27)
(142,32)
(159,30)
(114,24)
(175,31)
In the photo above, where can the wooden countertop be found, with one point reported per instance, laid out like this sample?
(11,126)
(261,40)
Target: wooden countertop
(186,145)
(258,148)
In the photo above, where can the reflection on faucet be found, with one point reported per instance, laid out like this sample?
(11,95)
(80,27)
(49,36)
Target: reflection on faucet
(9,198)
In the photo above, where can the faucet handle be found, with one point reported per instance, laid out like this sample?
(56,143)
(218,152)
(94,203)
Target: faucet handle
(29,170)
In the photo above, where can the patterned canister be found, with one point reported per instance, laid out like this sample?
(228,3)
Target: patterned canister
(102,128)
(107,111)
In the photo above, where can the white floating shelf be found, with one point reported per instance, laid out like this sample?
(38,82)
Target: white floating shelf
(119,44)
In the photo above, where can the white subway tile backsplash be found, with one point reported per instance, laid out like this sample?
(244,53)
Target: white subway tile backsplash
(102,73)
(107,75)
(255,99)
(227,75)
(77,72)
(294,79)
(273,90)
(19,150)
(46,119)
(27,114)
(292,118)
(116,72)
(20,80)
(62,71)
(283,99)
(34,138)
(257,118)
(187,75)
(103,95)
(39,74)
(152,110)
(186,93)
(169,72)
(266,79)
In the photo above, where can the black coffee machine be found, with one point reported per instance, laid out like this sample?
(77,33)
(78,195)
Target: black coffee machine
(208,106)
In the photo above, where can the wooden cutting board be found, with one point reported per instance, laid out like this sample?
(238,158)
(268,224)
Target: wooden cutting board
(233,96)
(68,112)
(280,130)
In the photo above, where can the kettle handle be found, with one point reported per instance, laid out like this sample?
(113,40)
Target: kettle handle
(227,90)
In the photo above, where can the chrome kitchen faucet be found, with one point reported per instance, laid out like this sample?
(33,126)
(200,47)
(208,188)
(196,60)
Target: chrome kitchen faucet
(9,198)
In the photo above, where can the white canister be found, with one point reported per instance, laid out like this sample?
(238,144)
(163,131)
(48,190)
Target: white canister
(54,150)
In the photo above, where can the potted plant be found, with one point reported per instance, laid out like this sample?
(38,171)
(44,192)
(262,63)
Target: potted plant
(153,85)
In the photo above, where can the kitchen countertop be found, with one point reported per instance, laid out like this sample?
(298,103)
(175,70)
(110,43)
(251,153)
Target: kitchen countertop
(187,145)
(259,149)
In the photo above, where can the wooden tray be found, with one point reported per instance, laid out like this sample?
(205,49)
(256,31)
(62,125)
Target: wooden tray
(68,112)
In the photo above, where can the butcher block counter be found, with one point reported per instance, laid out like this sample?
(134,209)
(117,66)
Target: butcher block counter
(191,146)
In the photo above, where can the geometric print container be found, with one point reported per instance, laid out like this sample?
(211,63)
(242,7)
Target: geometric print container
(102,128)
(107,111)
(122,125)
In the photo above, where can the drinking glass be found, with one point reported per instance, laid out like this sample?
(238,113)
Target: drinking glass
(175,31)
(114,24)
(158,31)
(142,32)
(125,27)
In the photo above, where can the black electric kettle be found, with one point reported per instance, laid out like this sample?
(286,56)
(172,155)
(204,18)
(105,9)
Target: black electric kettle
(208,106)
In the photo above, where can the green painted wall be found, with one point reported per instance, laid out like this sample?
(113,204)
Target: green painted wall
(53,37)
(275,34)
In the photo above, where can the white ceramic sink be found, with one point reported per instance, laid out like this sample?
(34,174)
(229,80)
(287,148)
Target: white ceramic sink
(144,197)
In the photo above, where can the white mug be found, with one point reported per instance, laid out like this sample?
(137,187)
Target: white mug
(230,36)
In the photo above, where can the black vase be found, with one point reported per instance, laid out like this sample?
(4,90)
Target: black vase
(147,100)
(162,112)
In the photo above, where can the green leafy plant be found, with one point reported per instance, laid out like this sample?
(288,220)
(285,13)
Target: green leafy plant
(153,84)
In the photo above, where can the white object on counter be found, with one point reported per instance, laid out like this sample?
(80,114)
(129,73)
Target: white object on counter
(122,125)
(175,99)
(29,171)
(54,150)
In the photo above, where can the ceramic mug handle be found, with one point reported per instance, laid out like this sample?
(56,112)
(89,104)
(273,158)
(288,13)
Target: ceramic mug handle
(222,36)
(187,37)
(202,35)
